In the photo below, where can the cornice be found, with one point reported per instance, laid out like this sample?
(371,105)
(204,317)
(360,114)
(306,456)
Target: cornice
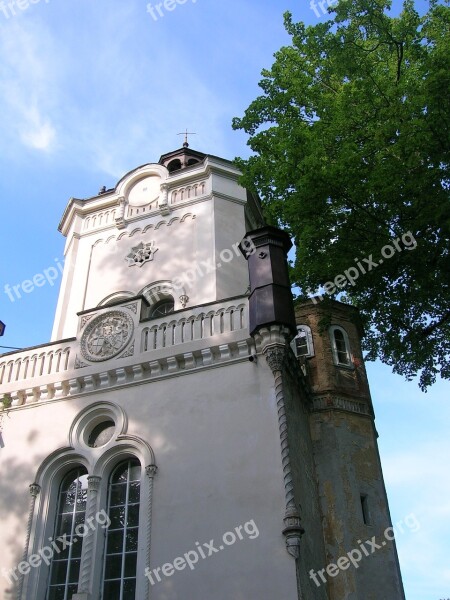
(108,378)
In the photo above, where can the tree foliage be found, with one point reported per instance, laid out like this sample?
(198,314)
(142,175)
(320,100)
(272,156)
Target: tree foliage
(350,141)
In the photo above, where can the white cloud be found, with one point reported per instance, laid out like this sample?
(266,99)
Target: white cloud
(27,85)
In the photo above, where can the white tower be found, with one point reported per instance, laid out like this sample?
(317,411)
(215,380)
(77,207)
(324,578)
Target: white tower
(168,444)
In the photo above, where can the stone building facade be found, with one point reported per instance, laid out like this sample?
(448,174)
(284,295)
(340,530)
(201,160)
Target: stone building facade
(187,434)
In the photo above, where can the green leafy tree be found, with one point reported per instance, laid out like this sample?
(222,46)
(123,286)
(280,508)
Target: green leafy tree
(350,152)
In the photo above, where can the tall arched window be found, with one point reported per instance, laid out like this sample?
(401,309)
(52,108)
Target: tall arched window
(340,346)
(94,511)
(302,344)
(119,580)
(65,566)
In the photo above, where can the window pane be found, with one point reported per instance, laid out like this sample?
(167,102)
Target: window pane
(135,473)
(118,494)
(111,590)
(123,510)
(341,347)
(130,565)
(133,515)
(129,589)
(56,593)
(77,547)
(115,542)
(113,567)
(134,492)
(117,517)
(74,572)
(301,343)
(59,571)
(131,542)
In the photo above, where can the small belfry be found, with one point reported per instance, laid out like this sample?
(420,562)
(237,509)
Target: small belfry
(189,432)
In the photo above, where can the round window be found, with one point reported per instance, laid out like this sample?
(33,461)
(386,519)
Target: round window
(101,434)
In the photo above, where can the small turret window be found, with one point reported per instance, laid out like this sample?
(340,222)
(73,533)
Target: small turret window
(340,346)
(174,165)
(302,344)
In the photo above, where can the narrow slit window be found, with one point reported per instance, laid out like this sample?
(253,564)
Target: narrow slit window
(365,509)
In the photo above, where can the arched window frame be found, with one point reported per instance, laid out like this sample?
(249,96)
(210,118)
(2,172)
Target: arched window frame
(99,463)
(309,341)
(162,290)
(334,349)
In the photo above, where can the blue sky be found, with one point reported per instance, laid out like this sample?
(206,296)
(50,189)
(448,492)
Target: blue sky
(93,88)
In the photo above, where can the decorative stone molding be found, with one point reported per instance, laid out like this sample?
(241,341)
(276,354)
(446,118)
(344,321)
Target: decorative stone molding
(274,335)
(34,489)
(129,352)
(34,492)
(163,205)
(132,307)
(150,470)
(94,483)
(332,401)
(84,320)
(141,254)
(106,336)
(79,364)
(274,342)
(120,215)
(276,357)
(147,370)
(184,300)
(293,532)
(87,563)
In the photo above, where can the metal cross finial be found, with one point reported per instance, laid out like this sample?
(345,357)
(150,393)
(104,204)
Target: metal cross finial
(186,133)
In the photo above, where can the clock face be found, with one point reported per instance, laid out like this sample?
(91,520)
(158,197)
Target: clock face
(106,336)
(145,191)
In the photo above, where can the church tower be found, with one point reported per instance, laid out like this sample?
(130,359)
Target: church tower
(187,433)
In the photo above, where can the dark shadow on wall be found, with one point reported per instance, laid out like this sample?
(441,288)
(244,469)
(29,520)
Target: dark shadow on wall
(15,478)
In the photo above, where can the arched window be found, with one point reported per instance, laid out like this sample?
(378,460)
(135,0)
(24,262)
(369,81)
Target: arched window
(174,165)
(340,346)
(164,307)
(119,578)
(65,566)
(88,518)
(302,344)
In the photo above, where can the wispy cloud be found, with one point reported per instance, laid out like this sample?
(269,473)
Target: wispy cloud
(27,86)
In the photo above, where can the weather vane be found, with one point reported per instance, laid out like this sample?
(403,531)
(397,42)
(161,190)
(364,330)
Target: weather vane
(186,133)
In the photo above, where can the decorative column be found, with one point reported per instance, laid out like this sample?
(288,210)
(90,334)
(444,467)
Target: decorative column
(151,472)
(34,491)
(87,562)
(276,355)
(272,324)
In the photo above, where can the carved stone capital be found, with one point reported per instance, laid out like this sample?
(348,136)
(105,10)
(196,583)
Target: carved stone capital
(293,532)
(276,357)
(34,489)
(151,470)
(94,483)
